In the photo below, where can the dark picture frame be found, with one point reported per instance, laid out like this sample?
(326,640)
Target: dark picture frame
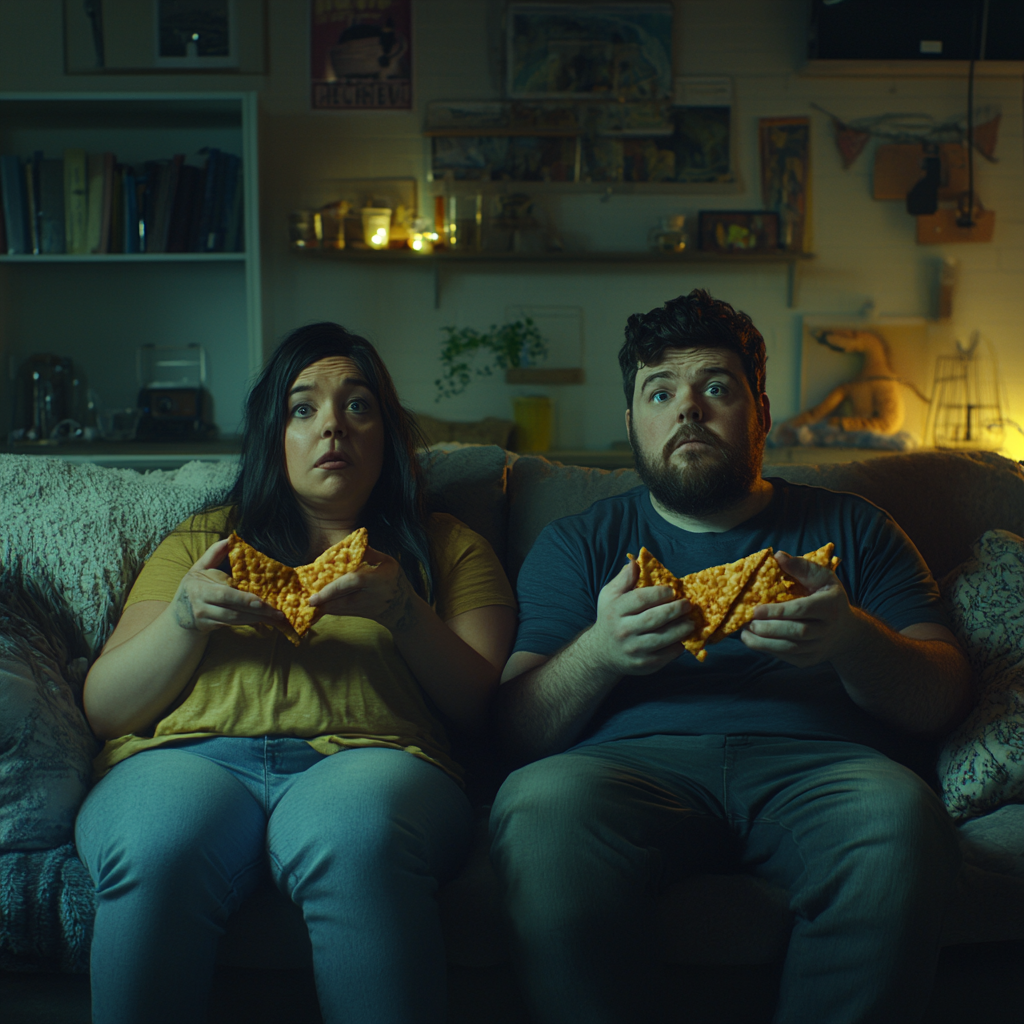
(739,231)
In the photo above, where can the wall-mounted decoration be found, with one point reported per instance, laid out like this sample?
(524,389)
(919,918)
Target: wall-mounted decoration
(733,231)
(645,141)
(598,51)
(860,384)
(360,55)
(785,147)
(169,36)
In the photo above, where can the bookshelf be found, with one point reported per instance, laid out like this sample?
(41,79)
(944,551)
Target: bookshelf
(99,308)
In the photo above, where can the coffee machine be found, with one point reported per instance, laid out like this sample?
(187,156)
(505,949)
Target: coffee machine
(173,401)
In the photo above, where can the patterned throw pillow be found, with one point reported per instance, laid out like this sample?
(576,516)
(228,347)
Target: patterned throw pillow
(981,764)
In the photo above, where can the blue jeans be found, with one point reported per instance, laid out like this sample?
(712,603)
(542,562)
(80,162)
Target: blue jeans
(582,842)
(175,838)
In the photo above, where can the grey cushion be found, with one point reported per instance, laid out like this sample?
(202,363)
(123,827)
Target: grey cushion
(46,747)
(470,484)
(943,500)
(540,491)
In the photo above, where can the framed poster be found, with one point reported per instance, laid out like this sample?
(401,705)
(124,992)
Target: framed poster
(785,144)
(360,54)
(597,51)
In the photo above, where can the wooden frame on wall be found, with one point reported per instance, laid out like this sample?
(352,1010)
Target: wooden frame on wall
(111,37)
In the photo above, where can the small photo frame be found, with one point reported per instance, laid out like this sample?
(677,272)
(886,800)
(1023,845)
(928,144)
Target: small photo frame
(196,34)
(739,231)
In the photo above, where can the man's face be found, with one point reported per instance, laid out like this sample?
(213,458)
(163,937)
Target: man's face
(697,430)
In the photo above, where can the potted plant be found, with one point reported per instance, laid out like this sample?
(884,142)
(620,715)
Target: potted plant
(515,344)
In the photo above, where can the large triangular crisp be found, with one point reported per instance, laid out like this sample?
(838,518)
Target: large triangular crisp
(288,589)
(711,592)
(724,597)
(770,585)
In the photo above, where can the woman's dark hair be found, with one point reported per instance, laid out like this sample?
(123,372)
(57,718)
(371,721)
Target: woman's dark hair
(691,321)
(268,515)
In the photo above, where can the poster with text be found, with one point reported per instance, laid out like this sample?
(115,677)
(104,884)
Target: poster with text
(360,54)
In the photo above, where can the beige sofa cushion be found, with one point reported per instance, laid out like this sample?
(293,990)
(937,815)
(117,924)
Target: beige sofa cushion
(943,500)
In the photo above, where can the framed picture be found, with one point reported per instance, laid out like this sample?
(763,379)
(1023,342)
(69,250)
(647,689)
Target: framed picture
(196,34)
(361,55)
(785,144)
(597,51)
(734,231)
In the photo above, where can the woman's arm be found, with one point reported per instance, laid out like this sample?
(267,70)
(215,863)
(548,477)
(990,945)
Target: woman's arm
(154,650)
(457,662)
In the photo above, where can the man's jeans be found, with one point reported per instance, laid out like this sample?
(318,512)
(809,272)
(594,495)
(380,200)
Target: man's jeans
(175,838)
(582,841)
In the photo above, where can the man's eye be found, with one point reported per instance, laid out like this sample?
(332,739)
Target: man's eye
(659,397)
(716,389)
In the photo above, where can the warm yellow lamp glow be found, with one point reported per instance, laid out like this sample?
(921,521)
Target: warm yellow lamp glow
(376,226)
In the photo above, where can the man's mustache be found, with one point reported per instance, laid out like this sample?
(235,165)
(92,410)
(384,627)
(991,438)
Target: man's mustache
(690,432)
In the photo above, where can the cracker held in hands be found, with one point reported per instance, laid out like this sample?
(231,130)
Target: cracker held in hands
(724,597)
(288,589)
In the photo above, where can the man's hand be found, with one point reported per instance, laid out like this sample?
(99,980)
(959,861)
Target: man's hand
(808,630)
(636,632)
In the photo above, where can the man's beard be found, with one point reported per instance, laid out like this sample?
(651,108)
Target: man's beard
(710,481)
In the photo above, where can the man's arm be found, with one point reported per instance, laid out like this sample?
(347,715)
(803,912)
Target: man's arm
(917,679)
(545,702)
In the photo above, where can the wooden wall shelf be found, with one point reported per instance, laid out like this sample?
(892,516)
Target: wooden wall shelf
(467,258)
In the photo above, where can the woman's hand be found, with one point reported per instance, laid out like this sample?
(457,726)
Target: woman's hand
(377,590)
(208,598)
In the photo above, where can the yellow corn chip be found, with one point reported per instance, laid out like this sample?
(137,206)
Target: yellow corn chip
(724,597)
(288,589)
(711,592)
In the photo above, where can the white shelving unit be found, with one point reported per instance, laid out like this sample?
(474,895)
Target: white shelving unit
(98,309)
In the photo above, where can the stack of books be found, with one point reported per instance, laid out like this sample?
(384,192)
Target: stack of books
(88,203)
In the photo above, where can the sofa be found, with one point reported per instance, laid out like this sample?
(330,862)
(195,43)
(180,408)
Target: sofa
(73,536)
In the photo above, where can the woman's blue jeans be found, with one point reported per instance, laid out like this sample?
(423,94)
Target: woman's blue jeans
(175,838)
(583,841)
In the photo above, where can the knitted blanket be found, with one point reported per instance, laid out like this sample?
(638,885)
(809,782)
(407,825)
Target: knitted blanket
(88,529)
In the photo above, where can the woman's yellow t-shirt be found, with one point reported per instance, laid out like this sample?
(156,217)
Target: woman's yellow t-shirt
(346,684)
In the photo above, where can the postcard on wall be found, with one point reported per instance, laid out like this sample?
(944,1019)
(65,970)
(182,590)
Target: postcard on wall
(597,51)
(360,54)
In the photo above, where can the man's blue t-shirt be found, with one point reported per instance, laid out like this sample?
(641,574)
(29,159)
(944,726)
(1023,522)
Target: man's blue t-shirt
(735,690)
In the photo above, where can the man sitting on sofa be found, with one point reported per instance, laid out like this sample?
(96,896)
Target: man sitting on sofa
(784,752)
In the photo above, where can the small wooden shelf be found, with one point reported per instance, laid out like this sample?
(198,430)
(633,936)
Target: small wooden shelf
(628,256)
(126,257)
(468,258)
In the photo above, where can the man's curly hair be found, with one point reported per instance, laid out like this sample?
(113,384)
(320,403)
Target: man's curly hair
(691,321)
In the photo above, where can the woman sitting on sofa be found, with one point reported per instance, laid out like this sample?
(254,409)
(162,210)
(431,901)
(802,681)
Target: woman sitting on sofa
(230,750)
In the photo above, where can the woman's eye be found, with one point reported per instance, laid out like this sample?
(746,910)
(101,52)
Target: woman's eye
(301,411)
(358,405)
(716,389)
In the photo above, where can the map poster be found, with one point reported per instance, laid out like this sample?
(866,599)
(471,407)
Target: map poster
(360,54)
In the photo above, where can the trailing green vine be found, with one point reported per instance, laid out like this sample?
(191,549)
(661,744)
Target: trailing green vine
(511,345)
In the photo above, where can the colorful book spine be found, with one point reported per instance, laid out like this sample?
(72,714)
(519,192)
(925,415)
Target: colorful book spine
(51,206)
(12,181)
(76,200)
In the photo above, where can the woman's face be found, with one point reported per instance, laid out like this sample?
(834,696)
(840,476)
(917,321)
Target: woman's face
(333,439)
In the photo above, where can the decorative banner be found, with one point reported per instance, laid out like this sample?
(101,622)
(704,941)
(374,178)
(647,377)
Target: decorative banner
(360,54)
(785,144)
